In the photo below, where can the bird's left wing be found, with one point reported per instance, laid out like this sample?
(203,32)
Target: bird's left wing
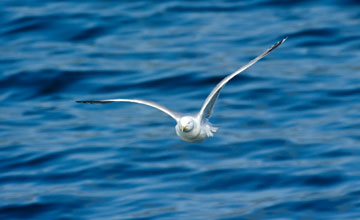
(173,114)
(209,103)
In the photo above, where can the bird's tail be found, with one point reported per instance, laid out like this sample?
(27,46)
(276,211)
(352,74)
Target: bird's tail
(210,130)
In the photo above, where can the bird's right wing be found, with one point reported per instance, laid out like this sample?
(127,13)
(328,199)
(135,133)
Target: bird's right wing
(174,115)
(209,103)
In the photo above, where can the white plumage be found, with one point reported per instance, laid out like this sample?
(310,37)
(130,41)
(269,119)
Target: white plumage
(197,127)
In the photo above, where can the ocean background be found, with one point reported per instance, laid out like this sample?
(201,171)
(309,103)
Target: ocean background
(288,144)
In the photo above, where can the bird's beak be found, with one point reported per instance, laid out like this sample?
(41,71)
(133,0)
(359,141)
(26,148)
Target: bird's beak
(182,128)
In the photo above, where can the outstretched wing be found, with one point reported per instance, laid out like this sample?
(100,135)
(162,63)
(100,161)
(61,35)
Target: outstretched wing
(209,103)
(174,115)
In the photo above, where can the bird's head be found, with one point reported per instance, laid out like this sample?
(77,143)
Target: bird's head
(186,124)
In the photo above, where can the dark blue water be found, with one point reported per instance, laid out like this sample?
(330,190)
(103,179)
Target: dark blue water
(288,146)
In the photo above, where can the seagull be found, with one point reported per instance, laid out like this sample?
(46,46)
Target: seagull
(194,128)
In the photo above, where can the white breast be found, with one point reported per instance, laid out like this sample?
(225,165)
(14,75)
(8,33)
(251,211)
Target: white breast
(198,133)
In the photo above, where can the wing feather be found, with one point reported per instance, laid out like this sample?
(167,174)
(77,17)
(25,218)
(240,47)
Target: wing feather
(209,103)
(162,108)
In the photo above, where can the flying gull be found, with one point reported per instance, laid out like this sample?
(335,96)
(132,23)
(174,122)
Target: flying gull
(194,128)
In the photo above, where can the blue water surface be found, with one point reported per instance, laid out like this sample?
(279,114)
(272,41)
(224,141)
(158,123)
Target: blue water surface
(289,137)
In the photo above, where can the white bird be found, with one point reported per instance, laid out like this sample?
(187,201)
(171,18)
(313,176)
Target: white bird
(194,128)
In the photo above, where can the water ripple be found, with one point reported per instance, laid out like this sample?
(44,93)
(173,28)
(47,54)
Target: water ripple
(287,146)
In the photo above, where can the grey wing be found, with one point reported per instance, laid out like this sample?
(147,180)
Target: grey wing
(209,103)
(173,114)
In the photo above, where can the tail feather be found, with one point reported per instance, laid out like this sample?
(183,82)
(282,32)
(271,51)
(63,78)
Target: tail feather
(214,129)
(210,130)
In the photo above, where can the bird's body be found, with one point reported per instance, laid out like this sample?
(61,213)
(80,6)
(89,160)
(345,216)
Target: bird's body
(194,128)
(199,131)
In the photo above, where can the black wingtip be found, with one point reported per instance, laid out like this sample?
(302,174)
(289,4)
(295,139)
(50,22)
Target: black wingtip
(87,102)
(94,102)
(276,45)
(280,42)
